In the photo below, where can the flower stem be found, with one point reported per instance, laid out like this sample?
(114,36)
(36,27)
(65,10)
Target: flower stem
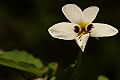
(76,73)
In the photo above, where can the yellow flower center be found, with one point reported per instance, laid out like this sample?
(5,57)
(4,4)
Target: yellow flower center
(83,28)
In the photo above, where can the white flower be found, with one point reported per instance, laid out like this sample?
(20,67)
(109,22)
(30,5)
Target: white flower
(81,26)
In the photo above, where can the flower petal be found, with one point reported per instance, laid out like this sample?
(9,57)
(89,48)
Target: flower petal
(90,13)
(63,30)
(82,42)
(73,13)
(78,41)
(102,30)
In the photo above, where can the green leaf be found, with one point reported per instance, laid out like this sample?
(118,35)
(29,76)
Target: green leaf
(102,78)
(22,56)
(23,61)
(52,68)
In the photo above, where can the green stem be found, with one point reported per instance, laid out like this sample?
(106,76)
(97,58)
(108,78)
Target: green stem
(76,72)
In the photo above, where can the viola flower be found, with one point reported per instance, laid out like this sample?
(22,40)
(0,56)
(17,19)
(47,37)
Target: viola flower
(80,26)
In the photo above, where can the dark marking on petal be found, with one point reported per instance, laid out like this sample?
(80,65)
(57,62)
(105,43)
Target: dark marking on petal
(80,39)
(89,27)
(76,29)
(83,29)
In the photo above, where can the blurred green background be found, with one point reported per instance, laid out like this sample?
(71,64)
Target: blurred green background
(24,26)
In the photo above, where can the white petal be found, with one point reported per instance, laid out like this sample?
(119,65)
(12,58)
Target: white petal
(73,13)
(90,13)
(78,41)
(102,30)
(82,42)
(63,30)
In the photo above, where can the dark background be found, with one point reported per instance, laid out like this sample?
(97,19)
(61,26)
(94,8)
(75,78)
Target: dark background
(24,26)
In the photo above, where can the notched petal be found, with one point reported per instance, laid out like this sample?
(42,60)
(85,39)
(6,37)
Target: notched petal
(73,13)
(90,13)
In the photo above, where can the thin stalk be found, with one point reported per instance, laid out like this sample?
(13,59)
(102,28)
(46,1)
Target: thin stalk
(76,72)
